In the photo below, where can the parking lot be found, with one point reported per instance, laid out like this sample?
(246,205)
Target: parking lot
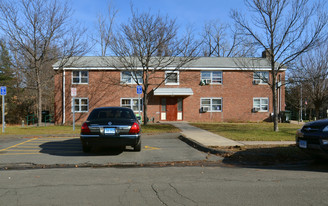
(67,150)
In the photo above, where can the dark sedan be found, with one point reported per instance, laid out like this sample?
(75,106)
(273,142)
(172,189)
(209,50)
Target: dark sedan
(111,126)
(313,138)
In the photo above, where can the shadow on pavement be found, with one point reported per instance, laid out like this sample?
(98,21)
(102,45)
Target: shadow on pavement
(280,157)
(73,147)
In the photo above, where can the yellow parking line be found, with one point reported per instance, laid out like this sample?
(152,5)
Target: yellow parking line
(17,144)
(14,152)
(31,144)
(19,153)
(21,150)
(151,148)
(58,137)
(52,140)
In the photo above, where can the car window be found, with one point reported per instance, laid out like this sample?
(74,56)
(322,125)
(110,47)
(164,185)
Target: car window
(110,113)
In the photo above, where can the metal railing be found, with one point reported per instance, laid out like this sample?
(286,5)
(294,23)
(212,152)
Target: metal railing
(33,119)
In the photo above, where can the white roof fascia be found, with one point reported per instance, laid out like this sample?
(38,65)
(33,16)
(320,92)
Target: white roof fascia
(232,69)
(174,68)
(86,68)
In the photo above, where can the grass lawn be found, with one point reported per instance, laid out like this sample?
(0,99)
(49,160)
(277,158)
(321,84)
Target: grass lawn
(159,128)
(31,130)
(54,130)
(252,131)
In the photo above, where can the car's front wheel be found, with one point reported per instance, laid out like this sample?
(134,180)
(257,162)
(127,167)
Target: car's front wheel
(137,147)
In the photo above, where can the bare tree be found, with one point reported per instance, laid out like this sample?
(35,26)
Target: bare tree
(105,29)
(148,44)
(222,40)
(285,29)
(312,73)
(39,32)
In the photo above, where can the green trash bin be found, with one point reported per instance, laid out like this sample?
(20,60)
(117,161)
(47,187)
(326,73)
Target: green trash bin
(286,116)
(139,118)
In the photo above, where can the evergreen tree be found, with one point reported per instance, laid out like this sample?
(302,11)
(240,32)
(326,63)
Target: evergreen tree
(6,74)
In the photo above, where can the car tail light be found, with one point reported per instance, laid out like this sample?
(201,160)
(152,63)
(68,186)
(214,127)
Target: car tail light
(85,129)
(135,129)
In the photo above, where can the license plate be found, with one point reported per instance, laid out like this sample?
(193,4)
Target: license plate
(110,131)
(302,144)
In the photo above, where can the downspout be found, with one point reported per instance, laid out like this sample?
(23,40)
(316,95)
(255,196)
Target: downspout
(64,96)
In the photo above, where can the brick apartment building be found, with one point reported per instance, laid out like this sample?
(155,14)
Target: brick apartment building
(208,89)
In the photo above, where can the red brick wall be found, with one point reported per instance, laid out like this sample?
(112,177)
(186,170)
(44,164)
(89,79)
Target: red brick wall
(237,93)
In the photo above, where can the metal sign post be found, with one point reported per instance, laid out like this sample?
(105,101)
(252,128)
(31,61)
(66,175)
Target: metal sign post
(73,94)
(3,92)
(139,92)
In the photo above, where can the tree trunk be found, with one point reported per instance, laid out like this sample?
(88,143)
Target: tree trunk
(274,92)
(145,103)
(275,108)
(39,88)
(317,112)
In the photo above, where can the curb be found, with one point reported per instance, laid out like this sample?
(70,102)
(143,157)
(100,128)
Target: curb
(202,147)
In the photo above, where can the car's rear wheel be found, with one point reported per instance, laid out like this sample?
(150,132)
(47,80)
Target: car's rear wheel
(137,147)
(86,148)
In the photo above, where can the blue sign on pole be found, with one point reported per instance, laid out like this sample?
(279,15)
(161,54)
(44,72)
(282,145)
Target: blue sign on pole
(3,90)
(139,89)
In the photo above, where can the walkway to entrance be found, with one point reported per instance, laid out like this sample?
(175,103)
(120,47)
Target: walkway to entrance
(203,137)
(209,139)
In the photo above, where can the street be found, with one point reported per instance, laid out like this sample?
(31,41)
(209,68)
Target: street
(163,186)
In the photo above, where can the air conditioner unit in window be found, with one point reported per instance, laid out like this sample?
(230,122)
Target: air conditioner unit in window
(204,109)
(256,81)
(202,82)
(256,109)
(207,81)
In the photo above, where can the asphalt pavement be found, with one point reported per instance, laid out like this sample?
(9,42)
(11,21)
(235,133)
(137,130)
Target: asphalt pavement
(198,138)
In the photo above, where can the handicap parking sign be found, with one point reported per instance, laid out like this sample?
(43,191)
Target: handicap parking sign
(139,89)
(3,90)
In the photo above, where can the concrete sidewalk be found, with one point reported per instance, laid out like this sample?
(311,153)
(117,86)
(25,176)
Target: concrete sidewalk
(209,139)
(203,137)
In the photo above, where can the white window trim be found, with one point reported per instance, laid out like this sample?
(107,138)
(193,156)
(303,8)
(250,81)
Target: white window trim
(79,98)
(80,76)
(131,106)
(132,79)
(267,98)
(171,72)
(262,82)
(211,98)
(211,72)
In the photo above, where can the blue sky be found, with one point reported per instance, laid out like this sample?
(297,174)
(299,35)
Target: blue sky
(186,12)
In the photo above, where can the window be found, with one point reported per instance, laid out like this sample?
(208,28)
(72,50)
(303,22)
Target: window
(81,105)
(163,102)
(260,77)
(211,104)
(131,103)
(172,77)
(80,77)
(214,77)
(129,77)
(261,104)
(107,113)
(180,105)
